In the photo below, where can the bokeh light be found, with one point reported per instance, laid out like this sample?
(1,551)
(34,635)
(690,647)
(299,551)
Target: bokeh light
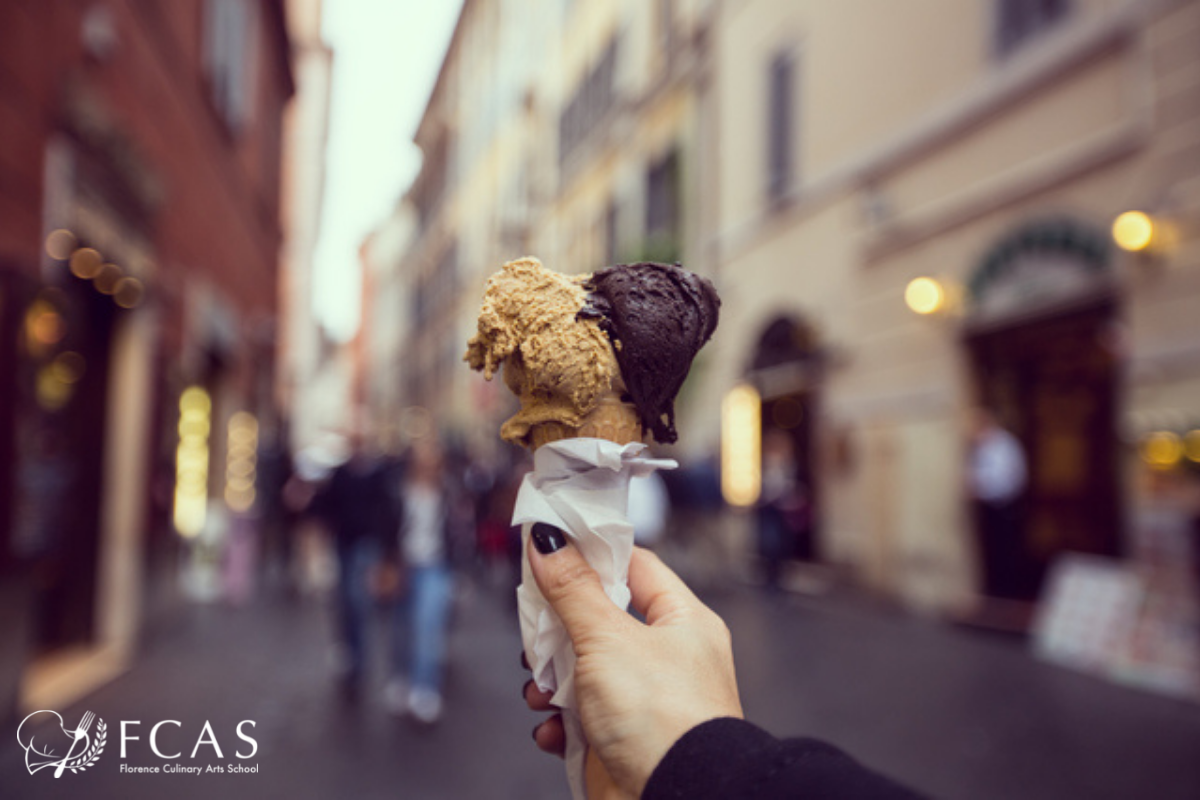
(52,392)
(924,295)
(741,446)
(60,243)
(1133,231)
(86,263)
(43,324)
(68,367)
(191,462)
(240,461)
(1162,450)
(107,278)
(1191,445)
(128,292)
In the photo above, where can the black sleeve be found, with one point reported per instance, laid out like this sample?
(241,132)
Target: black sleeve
(730,758)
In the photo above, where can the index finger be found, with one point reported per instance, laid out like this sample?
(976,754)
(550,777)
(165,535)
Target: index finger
(573,590)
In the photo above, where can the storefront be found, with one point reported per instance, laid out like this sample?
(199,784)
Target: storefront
(77,420)
(786,371)
(1041,337)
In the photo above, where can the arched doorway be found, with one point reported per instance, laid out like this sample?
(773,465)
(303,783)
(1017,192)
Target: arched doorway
(786,369)
(1040,337)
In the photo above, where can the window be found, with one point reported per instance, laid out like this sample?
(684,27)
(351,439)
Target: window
(435,290)
(662,201)
(780,125)
(592,99)
(230,39)
(610,233)
(1018,21)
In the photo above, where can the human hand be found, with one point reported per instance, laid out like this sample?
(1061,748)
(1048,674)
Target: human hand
(640,687)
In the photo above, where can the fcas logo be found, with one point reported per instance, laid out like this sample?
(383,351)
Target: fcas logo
(58,746)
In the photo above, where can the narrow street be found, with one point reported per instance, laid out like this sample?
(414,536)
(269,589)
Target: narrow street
(291,291)
(953,713)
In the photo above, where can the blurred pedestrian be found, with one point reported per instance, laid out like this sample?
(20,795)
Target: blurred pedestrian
(782,506)
(357,506)
(479,482)
(996,479)
(275,471)
(422,613)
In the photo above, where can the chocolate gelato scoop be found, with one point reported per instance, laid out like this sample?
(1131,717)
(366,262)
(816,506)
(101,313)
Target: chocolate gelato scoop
(658,316)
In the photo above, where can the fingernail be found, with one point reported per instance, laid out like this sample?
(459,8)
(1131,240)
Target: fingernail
(547,538)
(524,661)
(525,688)
(535,730)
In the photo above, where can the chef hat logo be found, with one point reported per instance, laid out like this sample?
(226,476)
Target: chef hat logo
(50,744)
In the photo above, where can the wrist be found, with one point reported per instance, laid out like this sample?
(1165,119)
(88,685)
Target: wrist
(698,764)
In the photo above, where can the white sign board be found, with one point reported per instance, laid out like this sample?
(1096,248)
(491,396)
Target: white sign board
(1088,612)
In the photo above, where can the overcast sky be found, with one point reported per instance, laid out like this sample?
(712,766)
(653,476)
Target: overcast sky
(386,58)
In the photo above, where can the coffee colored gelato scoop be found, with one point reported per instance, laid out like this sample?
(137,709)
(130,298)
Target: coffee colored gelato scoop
(558,363)
(658,317)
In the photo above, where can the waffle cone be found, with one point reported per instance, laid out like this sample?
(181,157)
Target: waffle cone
(611,419)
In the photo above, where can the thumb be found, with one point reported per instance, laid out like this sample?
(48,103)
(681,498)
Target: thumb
(570,584)
(658,594)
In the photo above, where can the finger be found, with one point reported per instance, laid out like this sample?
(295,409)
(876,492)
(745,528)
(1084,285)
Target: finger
(658,593)
(535,698)
(570,585)
(551,737)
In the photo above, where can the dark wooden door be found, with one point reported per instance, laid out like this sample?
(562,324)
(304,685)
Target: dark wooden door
(1053,383)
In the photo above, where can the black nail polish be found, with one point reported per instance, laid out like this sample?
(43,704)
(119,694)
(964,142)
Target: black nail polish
(535,730)
(525,661)
(547,538)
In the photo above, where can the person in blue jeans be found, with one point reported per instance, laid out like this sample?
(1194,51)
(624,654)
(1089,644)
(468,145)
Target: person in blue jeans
(359,511)
(422,614)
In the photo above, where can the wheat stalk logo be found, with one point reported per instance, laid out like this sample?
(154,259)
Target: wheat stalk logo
(92,754)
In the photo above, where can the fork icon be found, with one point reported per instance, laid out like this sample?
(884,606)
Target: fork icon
(79,733)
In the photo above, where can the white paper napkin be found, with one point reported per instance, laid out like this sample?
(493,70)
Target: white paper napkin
(581,486)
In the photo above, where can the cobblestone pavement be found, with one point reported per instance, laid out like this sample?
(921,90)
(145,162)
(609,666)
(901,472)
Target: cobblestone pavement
(956,714)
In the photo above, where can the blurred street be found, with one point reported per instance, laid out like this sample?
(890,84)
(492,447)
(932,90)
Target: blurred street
(291,291)
(952,712)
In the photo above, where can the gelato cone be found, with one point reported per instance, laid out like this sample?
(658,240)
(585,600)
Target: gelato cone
(596,362)
(611,420)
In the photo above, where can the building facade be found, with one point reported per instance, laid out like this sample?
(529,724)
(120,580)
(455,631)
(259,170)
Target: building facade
(383,332)
(139,241)
(305,136)
(466,206)
(814,159)
(987,146)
